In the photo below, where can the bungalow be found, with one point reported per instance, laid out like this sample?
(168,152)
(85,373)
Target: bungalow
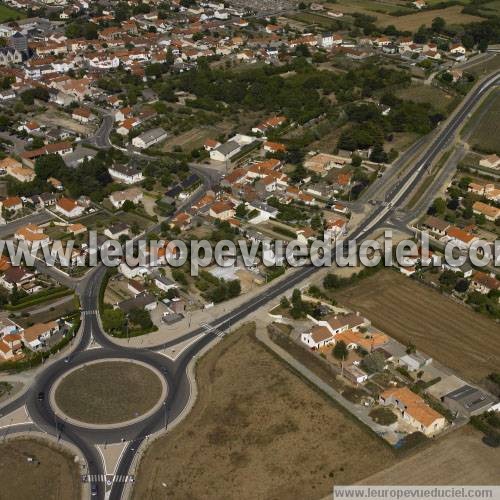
(222,210)
(15,275)
(144,300)
(413,410)
(491,213)
(274,147)
(436,226)
(340,323)
(492,161)
(163,283)
(32,234)
(182,221)
(12,203)
(484,283)
(10,346)
(69,208)
(35,336)
(16,170)
(133,272)
(127,174)
(83,115)
(319,336)
(116,230)
(459,237)
(149,138)
(225,151)
(118,198)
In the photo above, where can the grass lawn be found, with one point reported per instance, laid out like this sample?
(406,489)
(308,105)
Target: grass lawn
(108,392)
(257,431)
(53,476)
(440,100)
(451,333)
(8,14)
(460,458)
(484,121)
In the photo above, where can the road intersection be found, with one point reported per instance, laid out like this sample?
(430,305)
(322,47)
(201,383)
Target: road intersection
(395,190)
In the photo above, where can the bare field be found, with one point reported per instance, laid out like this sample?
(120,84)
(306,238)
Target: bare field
(412,22)
(55,477)
(481,138)
(257,431)
(460,458)
(453,334)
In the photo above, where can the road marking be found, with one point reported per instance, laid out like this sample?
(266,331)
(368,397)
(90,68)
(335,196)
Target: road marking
(105,478)
(89,312)
(212,329)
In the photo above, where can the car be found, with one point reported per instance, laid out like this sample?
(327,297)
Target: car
(67,359)
(41,396)
(93,489)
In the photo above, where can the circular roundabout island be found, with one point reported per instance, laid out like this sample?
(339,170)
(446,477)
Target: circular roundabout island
(110,392)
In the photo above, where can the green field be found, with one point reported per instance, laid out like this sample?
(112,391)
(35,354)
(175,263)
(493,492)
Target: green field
(8,14)
(485,122)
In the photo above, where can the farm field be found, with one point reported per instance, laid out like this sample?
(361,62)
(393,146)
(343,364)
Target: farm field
(253,433)
(412,22)
(54,477)
(451,333)
(460,458)
(484,121)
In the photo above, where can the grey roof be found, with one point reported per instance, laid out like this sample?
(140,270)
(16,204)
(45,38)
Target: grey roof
(140,302)
(152,135)
(78,155)
(118,227)
(471,398)
(228,147)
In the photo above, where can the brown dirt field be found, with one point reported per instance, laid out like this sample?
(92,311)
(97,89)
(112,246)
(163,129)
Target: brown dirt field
(257,431)
(460,458)
(56,477)
(451,333)
(412,22)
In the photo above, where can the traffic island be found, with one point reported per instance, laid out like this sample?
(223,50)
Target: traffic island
(108,393)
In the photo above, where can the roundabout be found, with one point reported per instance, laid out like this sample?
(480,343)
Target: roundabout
(108,393)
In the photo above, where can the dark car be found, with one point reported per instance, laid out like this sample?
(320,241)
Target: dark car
(93,489)
(41,396)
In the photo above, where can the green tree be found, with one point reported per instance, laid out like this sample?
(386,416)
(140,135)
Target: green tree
(113,320)
(340,350)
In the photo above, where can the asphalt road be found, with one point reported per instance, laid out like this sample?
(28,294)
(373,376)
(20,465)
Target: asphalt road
(174,372)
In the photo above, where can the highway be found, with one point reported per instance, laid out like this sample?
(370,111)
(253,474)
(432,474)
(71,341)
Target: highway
(397,191)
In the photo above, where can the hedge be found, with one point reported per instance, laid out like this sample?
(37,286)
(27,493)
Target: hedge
(55,294)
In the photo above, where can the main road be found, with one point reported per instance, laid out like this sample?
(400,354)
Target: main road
(175,372)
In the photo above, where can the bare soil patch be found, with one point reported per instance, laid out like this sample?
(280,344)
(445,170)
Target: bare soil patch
(53,475)
(460,458)
(257,431)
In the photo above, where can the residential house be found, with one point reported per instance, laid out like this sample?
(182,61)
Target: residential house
(319,336)
(69,208)
(118,198)
(222,210)
(83,115)
(484,283)
(414,410)
(490,213)
(149,138)
(127,174)
(35,337)
(492,161)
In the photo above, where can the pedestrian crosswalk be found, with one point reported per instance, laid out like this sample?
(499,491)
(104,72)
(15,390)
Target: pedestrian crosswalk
(107,478)
(89,312)
(212,329)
